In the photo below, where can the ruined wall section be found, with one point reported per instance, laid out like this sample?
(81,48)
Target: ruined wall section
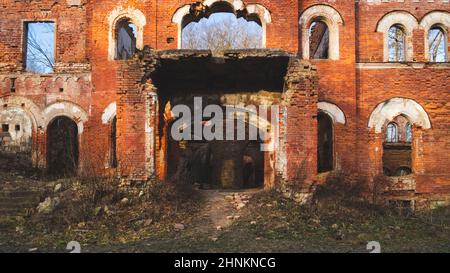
(336,77)
(296,159)
(70,32)
(42,97)
(416,79)
(371,42)
(103,15)
(136,116)
(281,32)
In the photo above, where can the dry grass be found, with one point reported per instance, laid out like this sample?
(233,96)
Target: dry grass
(104,210)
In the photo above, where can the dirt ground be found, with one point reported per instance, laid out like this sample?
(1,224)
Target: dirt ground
(230,221)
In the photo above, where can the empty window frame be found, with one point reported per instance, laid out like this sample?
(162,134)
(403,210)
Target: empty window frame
(408,132)
(223,31)
(396,44)
(126,33)
(319,40)
(437,44)
(5,128)
(391,133)
(39,47)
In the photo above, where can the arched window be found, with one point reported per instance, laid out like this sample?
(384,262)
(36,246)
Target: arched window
(396,44)
(408,132)
(437,41)
(319,26)
(229,24)
(397,152)
(223,31)
(391,133)
(319,40)
(126,33)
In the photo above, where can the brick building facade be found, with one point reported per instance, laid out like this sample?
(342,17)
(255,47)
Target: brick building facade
(115,115)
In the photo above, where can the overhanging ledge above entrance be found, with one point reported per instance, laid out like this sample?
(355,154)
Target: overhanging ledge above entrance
(239,70)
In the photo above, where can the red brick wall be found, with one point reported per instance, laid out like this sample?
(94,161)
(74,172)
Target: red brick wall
(70,37)
(72,70)
(337,83)
(371,42)
(91,80)
(282,33)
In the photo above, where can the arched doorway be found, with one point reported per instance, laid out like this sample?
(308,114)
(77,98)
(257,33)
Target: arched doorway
(62,147)
(220,164)
(325,157)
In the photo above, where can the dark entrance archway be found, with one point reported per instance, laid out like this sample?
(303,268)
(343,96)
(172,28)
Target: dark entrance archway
(325,143)
(62,147)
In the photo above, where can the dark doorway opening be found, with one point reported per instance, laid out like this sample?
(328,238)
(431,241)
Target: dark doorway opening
(253,169)
(62,147)
(325,143)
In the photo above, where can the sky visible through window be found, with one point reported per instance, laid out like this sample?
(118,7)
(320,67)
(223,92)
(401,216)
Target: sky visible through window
(40,55)
(222,31)
(436,40)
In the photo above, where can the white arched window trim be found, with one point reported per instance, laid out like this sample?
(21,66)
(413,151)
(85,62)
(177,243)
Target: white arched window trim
(67,109)
(135,16)
(109,113)
(331,18)
(407,22)
(440,19)
(262,12)
(389,109)
(336,114)
(27,106)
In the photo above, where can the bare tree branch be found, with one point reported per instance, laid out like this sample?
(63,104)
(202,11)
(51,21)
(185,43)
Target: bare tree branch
(220,35)
(40,52)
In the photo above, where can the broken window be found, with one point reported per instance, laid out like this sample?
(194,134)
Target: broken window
(222,31)
(16,133)
(126,33)
(39,47)
(396,44)
(397,148)
(408,132)
(437,44)
(5,128)
(391,134)
(319,40)
(325,143)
